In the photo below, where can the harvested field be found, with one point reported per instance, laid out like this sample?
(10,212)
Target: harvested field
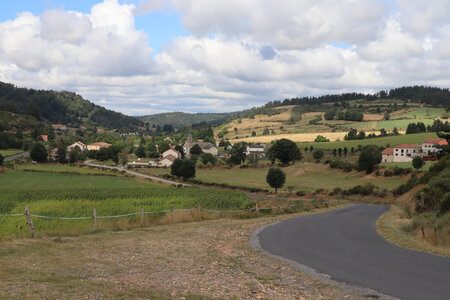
(296,137)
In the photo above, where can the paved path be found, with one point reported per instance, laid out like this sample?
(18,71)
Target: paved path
(345,245)
(13,157)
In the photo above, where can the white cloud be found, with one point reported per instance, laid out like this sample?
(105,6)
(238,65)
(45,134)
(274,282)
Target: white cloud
(239,54)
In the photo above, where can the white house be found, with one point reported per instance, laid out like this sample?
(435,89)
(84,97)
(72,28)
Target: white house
(209,148)
(167,161)
(256,149)
(406,153)
(172,152)
(429,145)
(78,144)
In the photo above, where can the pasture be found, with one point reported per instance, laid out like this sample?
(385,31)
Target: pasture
(300,176)
(422,113)
(406,165)
(395,140)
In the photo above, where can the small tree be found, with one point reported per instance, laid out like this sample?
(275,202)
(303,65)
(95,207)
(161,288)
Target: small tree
(123,157)
(61,155)
(140,151)
(187,169)
(369,157)
(208,158)
(276,178)
(418,162)
(237,153)
(38,152)
(196,150)
(318,154)
(181,150)
(1,159)
(74,155)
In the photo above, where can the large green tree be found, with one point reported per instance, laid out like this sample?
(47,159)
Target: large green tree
(276,178)
(61,155)
(38,152)
(237,153)
(196,150)
(285,151)
(418,162)
(187,169)
(370,156)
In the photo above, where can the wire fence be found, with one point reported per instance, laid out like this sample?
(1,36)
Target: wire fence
(170,211)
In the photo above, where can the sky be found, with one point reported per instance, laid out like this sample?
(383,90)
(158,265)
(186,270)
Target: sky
(150,56)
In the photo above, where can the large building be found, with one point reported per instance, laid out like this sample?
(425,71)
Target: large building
(406,152)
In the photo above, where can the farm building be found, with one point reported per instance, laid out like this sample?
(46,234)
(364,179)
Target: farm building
(388,155)
(167,161)
(98,146)
(429,145)
(256,149)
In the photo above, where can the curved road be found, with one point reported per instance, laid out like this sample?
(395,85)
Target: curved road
(345,245)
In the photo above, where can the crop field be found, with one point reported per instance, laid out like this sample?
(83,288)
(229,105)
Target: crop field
(422,113)
(69,195)
(56,168)
(416,138)
(301,176)
(10,152)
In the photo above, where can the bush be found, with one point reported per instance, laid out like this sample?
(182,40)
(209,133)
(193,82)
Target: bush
(318,154)
(321,139)
(301,193)
(431,198)
(276,178)
(418,162)
(388,173)
(444,205)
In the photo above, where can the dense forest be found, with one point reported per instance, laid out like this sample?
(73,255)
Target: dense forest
(428,95)
(61,107)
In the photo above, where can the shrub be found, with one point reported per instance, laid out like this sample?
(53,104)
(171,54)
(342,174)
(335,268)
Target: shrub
(388,173)
(369,157)
(431,197)
(444,205)
(418,162)
(318,154)
(301,193)
(38,152)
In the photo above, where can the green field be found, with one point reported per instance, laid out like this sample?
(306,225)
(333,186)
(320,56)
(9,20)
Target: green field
(422,113)
(10,152)
(406,165)
(302,176)
(416,138)
(401,124)
(69,195)
(60,169)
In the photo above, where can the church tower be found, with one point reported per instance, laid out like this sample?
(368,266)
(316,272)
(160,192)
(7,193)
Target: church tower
(188,145)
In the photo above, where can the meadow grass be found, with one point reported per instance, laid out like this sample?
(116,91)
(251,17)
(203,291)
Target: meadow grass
(301,176)
(406,165)
(70,195)
(10,152)
(396,140)
(422,113)
(401,124)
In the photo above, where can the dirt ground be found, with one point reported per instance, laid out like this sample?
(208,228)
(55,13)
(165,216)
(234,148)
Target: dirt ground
(198,260)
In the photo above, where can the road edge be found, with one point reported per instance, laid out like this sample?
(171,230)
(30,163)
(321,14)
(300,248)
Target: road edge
(348,287)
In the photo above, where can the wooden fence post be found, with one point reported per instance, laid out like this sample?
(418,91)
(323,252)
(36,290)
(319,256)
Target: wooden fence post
(95,218)
(142,214)
(257,208)
(29,221)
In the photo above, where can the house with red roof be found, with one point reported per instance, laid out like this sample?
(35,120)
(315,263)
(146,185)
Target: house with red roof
(44,137)
(388,155)
(406,152)
(78,144)
(98,146)
(429,146)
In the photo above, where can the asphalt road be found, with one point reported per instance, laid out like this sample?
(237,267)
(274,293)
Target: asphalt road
(345,245)
(13,157)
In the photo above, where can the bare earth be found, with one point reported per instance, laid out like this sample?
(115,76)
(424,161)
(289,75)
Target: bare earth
(208,259)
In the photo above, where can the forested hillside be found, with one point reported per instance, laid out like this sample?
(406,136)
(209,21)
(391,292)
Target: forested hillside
(181,119)
(61,107)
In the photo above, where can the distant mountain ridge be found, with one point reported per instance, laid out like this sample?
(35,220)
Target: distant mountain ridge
(62,107)
(182,120)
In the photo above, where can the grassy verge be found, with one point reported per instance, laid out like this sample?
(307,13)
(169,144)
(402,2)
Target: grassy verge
(395,227)
(195,260)
(57,168)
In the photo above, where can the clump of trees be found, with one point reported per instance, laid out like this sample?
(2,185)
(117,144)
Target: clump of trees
(370,156)
(285,151)
(183,168)
(38,152)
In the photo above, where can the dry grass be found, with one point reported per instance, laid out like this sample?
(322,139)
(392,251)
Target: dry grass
(296,137)
(373,117)
(394,226)
(209,259)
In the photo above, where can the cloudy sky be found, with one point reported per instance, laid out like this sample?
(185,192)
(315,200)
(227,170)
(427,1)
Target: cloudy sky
(141,57)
